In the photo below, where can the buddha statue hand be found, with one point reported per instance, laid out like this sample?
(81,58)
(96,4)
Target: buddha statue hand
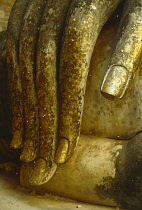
(49,48)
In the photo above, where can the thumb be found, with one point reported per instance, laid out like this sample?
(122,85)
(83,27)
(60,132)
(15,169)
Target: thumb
(127,52)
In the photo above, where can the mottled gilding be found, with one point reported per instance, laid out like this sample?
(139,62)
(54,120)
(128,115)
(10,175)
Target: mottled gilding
(62,151)
(84,22)
(28,43)
(39,171)
(46,82)
(12,48)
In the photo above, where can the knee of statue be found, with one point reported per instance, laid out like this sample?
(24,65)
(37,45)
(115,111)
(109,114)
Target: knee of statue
(76,109)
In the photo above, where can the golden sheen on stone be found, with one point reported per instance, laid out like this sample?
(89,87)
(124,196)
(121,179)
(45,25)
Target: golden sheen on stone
(63,57)
(128,55)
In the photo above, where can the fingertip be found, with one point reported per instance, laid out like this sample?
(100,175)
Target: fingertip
(43,171)
(115,82)
(65,151)
(38,172)
(62,151)
(28,154)
(17,140)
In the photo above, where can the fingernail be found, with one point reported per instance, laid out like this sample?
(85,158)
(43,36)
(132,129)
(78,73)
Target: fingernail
(29,152)
(38,172)
(62,151)
(115,82)
(27,155)
(42,172)
(17,140)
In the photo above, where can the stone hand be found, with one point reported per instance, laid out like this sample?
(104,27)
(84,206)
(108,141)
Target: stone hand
(48,79)
(42,93)
(108,169)
(127,51)
(32,60)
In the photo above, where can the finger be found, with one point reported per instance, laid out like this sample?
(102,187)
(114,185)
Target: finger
(13,33)
(127,52)
(27,60)
(84,23)
(46,84)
